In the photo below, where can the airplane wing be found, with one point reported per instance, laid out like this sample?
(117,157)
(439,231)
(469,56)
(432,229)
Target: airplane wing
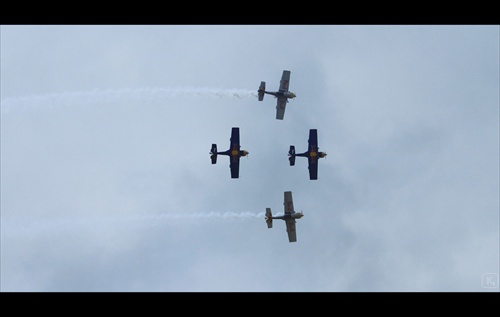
(290,222)
(280,108)
(235,138)
(313,139)
(313,159)
(288,203)
(285,80)
(234,160)
(313,168)
(234,164)
(290,229)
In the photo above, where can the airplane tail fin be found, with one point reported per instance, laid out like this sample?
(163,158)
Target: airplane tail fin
(269,218)
(262,88)
(213,153)
(291,154)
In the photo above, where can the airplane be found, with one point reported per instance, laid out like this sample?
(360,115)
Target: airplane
(282,94)
(234,153)
(289,217)
(312,154)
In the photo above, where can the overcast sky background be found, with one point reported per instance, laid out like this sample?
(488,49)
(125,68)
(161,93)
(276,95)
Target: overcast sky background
(107,185)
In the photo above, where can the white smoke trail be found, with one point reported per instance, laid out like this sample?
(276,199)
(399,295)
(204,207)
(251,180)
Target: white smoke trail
(138,95)
(14,228)
(212,214)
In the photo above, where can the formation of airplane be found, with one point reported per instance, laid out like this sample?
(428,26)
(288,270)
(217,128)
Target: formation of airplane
(234,153)
(282,95)
(312,154)
(289,217)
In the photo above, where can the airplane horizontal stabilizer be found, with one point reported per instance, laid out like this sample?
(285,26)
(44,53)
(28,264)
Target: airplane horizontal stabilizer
(262,89)
(269,218)
(213,153)
(291,154)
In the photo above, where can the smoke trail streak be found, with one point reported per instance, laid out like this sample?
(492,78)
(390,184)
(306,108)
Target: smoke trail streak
(140,95)
(204,215)
(12,228)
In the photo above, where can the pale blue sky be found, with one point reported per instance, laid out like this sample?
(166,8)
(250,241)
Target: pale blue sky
(107,185)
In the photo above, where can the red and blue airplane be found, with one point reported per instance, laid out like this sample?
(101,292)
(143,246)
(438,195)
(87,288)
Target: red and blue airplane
(312,154)
(234,153)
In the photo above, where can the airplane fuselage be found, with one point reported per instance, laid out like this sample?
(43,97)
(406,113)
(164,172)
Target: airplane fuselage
(281,94)
(313,154)
(234,153)
(296,215)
